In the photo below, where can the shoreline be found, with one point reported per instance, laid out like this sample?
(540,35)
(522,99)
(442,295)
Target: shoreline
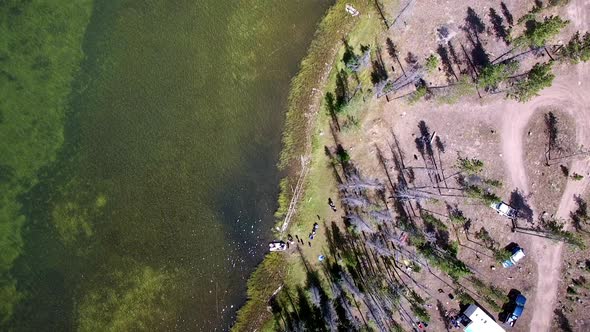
(306,93)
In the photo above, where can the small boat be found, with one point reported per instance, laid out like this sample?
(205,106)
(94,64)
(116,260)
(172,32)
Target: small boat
(277,246)
(351,10)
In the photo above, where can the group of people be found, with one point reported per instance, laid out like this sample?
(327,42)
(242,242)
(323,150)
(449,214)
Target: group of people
(313,233)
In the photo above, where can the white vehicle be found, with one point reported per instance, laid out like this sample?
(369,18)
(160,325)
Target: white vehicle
(277,246)
(517,255)
(504,209)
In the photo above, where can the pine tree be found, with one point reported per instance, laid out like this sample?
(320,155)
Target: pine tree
(538,33)
(577,49)
(538,78)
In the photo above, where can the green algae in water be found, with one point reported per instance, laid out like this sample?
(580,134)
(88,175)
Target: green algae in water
(40,51)
(150,200)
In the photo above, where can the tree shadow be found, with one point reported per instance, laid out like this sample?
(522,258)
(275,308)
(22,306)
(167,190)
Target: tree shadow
(280,314)
(580,215)
(456,59)
(379,73)
(426,137)
(393,53)
(411,59)
(562,321)
(446,63)
(309,314)
(507,14)
(551,129)
(332,109)
(342,92)
(350,59)
(474,26)
(332,162)
(519,202)
(473,22)
(500,29)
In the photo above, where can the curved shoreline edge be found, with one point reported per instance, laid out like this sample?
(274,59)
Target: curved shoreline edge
(304,101)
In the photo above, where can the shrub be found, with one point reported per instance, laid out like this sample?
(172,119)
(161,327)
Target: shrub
(492,75)
(420,92)
(432,62)
(538,78)
(577,49)
(470,166)
(537,33)
(502,255)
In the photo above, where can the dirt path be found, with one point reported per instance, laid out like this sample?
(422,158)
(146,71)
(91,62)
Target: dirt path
(567,92)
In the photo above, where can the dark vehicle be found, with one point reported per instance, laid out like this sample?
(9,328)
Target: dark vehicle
(516,311)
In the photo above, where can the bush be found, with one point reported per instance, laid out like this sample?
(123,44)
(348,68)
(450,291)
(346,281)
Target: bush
(484,196)
(432,62)
(537,33)
(577,49)
(445,262)
(502,255)
(493,183)
(538,78)
(430,219)
(492,75)
(462,88)
(470,166)
(420,92)
(464,298)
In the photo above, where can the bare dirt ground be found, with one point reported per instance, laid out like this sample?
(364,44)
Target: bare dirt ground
(508,137)
(568,95)
(493,130)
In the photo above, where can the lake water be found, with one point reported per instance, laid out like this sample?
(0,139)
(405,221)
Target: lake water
(161,202)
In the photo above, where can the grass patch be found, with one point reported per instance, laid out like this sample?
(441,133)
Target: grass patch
(334,26)
(277,269)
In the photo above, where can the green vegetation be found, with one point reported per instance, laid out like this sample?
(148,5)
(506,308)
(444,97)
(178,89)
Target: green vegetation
(538,33)
(493,183)
(40,53)
(502,255)
(487,239)
(492,75)
(538,78)
(420,93)
(342,156)
(432,62)
(137,300)
(444,261)
(417,305)
(554,3)
(464,297)
(470,166)
(312,70)
(430,219)
(275,269)
(284,198)
(462,88)
(458,219)
(577,49)
(577,177)
(556,228)
(493,296)
(262,283)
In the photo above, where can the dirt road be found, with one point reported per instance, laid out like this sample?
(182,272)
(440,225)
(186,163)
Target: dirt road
(567,93)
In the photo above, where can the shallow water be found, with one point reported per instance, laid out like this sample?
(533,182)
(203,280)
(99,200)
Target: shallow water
(161,202)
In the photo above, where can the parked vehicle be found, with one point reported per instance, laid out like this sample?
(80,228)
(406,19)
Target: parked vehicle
(505,210)
(277,246)
(517,255)
(517,309)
